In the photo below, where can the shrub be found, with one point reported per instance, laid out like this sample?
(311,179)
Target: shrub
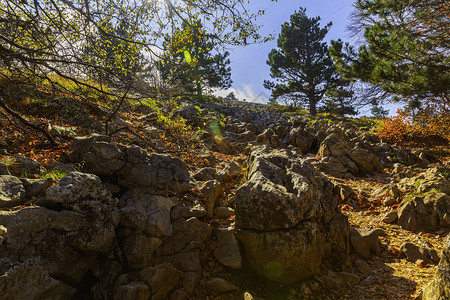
(427,128)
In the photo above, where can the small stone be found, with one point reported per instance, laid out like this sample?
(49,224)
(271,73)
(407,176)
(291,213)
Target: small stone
(35,187)
(365,242)
(348,278)
(179,294)
(414,253)
(24,166)
(398,168)
(4,169)
(211,190)
(389,201)
(370,280)
(223,212)
(390,218)
(331,281)
(345,192)
(219,286)
(61,167)
(205,174)
(420,263)
(234,169)
(132,291)
(161,279)
(187,212)
(362,266)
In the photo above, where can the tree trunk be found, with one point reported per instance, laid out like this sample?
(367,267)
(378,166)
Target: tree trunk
(312,107)
(199,90)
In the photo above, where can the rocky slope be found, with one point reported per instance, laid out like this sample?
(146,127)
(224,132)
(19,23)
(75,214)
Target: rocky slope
(264,205)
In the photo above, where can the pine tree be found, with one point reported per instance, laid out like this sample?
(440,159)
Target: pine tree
(379,112)
(406,48)
(231,97)
(340,99)
(190,62)
(302,69)
(120,60)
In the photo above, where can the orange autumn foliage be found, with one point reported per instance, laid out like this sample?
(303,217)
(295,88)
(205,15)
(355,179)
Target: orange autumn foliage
(428,128)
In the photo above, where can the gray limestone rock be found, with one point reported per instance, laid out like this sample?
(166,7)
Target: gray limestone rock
(233,169)
(138,249)
(132,291)
(390,217)
(302,139)
(362,266)
(357,160)
(29,236)
(223,212)
(24,166)
(219,286)
(75,186)
(161,279)
(211,190)
(75,225)
(4,169)
(157,173)
(12,191)
(187,235)
(348,278)
(182,250)
(192,210)
(287,217)
(205,174)
(3,234)
(147,212)
(35,187)
(30,280)
(425,213)
(365,242)
(227,251)
(414,253)
(439,288)
(102,159)
(133,167)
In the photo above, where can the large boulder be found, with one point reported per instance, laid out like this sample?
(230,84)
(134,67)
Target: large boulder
(189,112)
(302,139)
(133,167)
(73,226)
(430,180)
(268,137)
(158,173)
(355,160)
(439,288)
(429,212)
(97,155)
(287,217)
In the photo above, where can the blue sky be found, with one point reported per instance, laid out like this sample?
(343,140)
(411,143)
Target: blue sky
(248,64)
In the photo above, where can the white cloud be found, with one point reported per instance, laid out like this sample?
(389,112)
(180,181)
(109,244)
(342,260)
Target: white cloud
(245,93)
